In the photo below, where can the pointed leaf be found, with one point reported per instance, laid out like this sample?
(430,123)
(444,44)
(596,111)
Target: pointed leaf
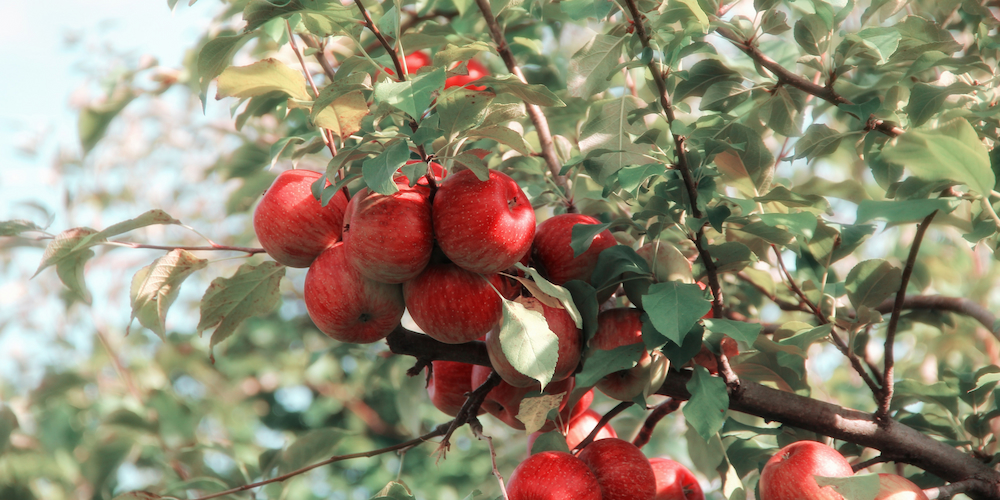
(412,97)
(251,291)
(872,281)
(545,288)
(592,66)
(261,77)
(379,171)
(599,363)
(155,287)
(539,95)
(310,448)
(674,308)
(952,151)
(533,412)
(528,343)
(16,227)
(738,330)
(706,410)
(343,116)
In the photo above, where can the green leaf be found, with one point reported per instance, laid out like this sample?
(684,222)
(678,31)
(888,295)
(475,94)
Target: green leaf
(706,410)
(310,448)
(528,343)
(463,109)
(261,77)
(549,441)
(952,151)
(532,94)
(138,495)
(858,487)
(394,491)
(583,236)
(155,287)
(413,96)
(583,9)
(872,281)
(901,212)
(630,178)
(723,96)
(696,9)
(533,412)
(812,34)
(738,330)
(215,56)
(783,114)
(502,135)
(788,198)
(342,116)
(613,262)
(703,75)
(591,68)
(599,363)
(17,226)
(379,171)
(818,141)
(251,291)
(674,308)
(608,128)
(8,423)
(94,120)
(562,295)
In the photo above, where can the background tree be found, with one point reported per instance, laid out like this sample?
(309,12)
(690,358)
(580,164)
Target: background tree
(829,169)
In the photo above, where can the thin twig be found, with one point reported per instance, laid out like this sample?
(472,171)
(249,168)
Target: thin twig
(604,421)
(470,409)
(123,372)
(855,362)
(881,459)
(438,431)
(312,43)
(326,134)
(794,287)
(401,76)
(217,248)
(534,112)
(890,333)
(477,430)
(661,410)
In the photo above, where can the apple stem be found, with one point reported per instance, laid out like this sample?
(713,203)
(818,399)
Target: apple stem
(600,425)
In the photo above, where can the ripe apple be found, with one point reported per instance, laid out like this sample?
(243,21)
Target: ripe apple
(292,225)
(788,475)
(582,405)
(674,481)
(622,470)
(553,475)
(414,62)
(346,305)
(448,384)
(483,226)
(552,255)
(562,325)
(454,305)
(615,328)
(476,71)
(893,487)
(581,427)
(504,401)
(389,238)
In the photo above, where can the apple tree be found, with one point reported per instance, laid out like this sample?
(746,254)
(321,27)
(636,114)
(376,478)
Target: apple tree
(746,224)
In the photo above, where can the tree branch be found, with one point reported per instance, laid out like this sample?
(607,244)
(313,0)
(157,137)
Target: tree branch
(216,248)
(646,431)
(890,333)
(960,305)
(400,74)
(601,423)
(534,112)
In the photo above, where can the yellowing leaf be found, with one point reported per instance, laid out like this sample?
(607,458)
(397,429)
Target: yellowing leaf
(155,287)
(251,291)
(534,411)
(343,116)
(260,78)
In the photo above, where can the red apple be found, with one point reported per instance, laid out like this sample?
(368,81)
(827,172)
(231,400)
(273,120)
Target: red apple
(562,325)
(615,328)
(388,238)
(414,62)
(346,305)
(476,71)
(581,427)
(448,384)
(553,475)
(504,401)
(706,357)
(454,305)
(893,487)
(788,475)
(674,481)
(582,405)
(292,225)
(483,226)
(552,255)
(622,470)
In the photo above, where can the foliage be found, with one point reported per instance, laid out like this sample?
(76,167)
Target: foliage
(829,169)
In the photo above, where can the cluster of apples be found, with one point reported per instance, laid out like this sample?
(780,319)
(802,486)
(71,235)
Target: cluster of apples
(790,475)
(606,469)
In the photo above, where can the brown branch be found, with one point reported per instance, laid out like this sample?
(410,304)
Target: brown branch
(890,333)
(534,112)
(794,287)
(646,431)
(438,431)
(950,490)
(313,43)
(893,438)
(600,424)
(856,363)
(477,430)
(401,76)
(825,92)
(426,349)
(960,305)
(470,409)
(881,459)
(326,134)
(214,247)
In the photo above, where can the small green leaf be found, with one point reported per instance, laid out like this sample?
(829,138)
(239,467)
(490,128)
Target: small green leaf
(462,109)
(413,96)
(261,77)
(872,281)
(599,363)
(310,448)
(738,330)
(901,212)
(532,94)
(952,151)
(859,487)
(703,75)
(674,308)
(583,236)
(251,291)
(155,287)
(592,67)
(379,171)
(706,410)
(818,141)
(723,96)
(394,491)
(94,120)
(528,343)
(812,34)
(215,56)
(613,262)
(16,227)
(562,295)
(549,441)
(503,135)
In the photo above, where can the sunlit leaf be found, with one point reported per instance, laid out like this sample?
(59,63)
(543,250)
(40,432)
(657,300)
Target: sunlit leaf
(155,287)
(528,343)
(251,291)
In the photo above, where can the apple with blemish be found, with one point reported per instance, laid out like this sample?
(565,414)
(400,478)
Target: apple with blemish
(483,226)
(292,225)
(346,305)
(389,238)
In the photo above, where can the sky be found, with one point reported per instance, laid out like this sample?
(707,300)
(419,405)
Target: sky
(43,69)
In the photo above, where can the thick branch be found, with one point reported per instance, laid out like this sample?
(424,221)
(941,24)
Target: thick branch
(534,112)
(890,333)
